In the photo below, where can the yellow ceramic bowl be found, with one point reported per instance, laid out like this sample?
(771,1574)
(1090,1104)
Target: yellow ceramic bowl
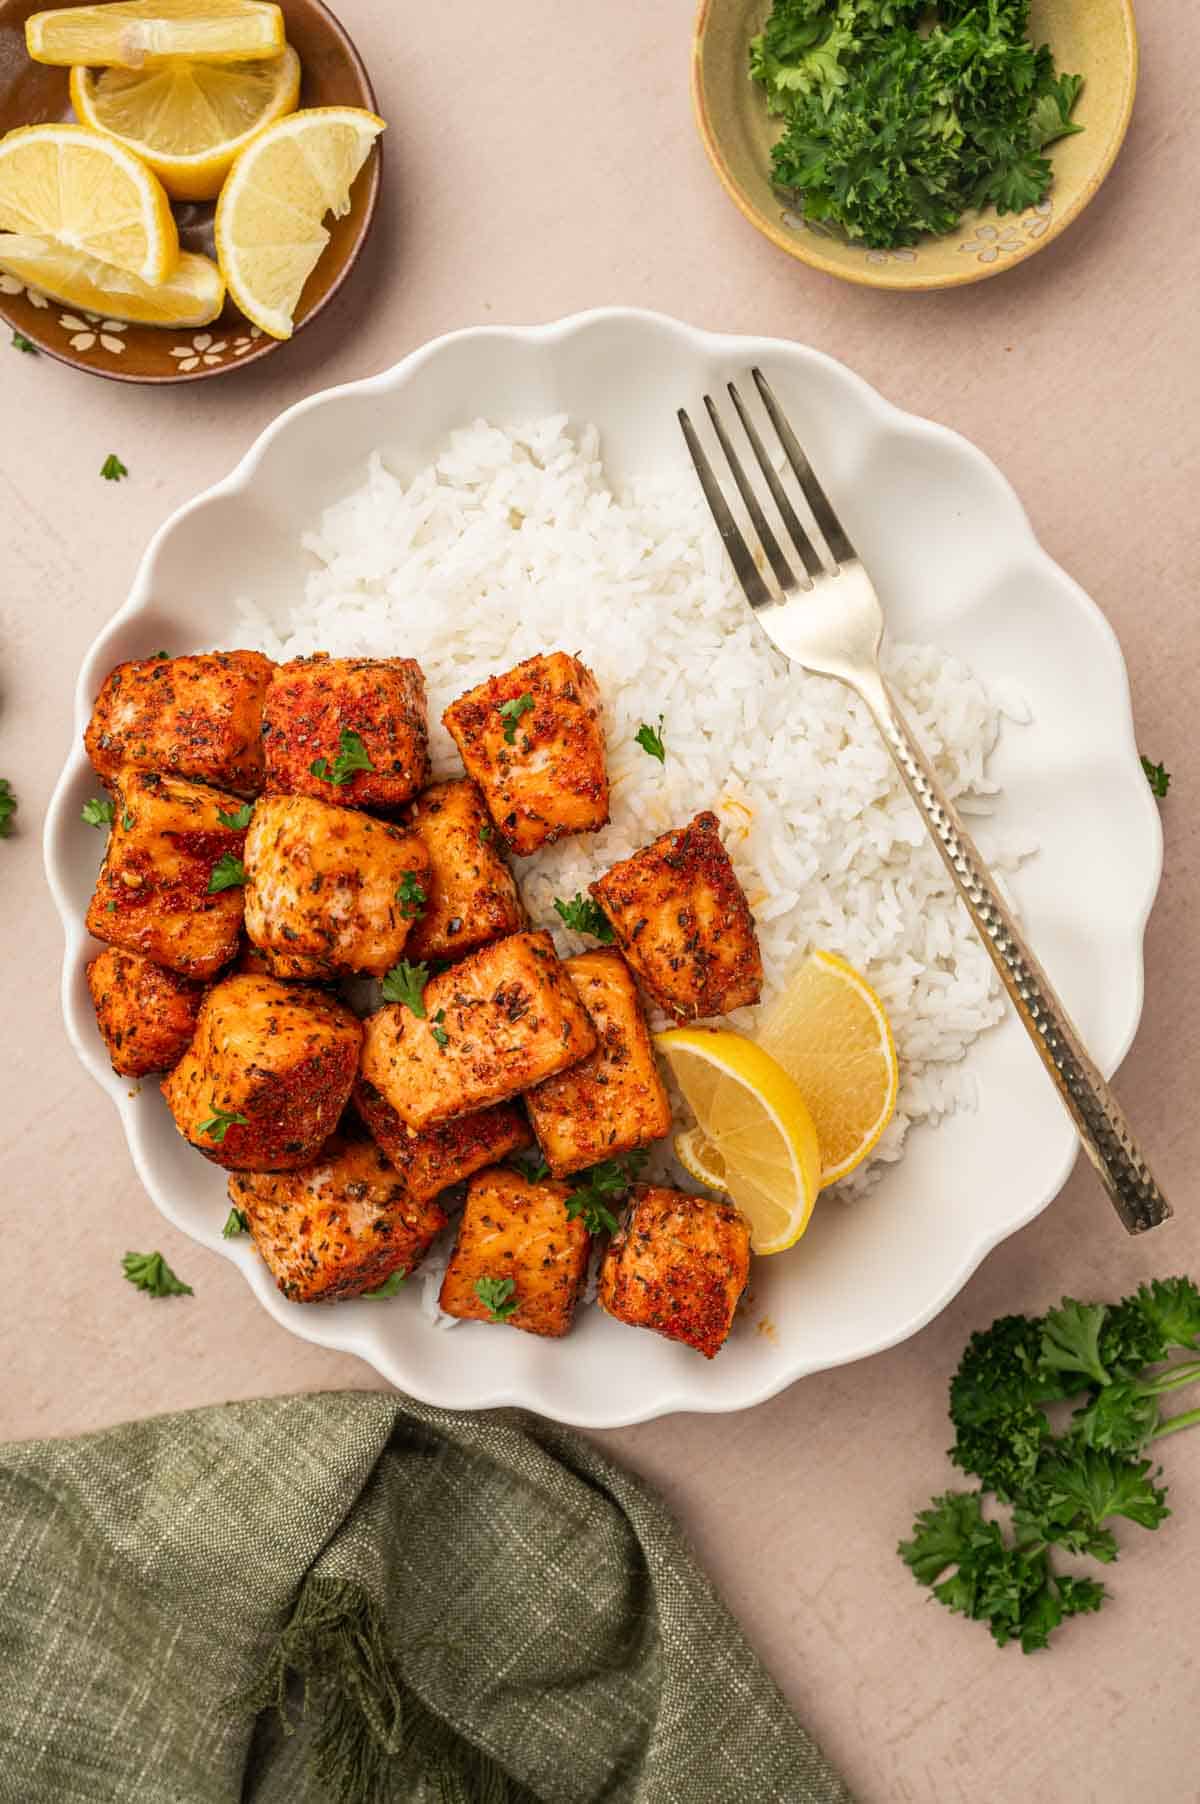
(1096,38)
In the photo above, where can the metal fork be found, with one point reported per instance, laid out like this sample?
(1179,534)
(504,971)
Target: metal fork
(828,619)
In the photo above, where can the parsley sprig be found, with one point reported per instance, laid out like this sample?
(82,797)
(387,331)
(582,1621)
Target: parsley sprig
(510,713)
(219,1123)
(498,1296)
(239,820)
(651,740)
(151,1273)
(112,469)
(406,983)
(582,915)
(228,873)
(236,1222)
(411,896)
(352,756)
(97,812)
(1066,1488)
(601,1185)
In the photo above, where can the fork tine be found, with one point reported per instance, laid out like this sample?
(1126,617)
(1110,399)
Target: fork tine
(799,538)
(840,548)
(759,521)
(740,555)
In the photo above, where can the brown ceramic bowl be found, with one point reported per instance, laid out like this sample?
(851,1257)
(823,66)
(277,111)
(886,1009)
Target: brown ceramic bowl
(1096,37)
(30,93)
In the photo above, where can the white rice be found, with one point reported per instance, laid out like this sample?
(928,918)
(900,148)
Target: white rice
(512,543)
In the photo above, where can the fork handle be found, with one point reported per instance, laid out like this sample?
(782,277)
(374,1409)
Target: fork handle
(1101,1125)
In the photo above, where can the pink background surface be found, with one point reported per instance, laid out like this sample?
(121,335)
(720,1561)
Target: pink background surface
(542,160)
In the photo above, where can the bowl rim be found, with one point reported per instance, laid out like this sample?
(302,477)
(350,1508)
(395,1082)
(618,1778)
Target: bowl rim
(321,1327)
(796,244)
(266,345)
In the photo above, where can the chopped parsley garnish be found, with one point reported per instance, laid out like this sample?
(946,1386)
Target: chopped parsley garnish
(112,469)
(235,1223)
(163,655)
(21,343)
(228,873)
(406,983)
(1064,1488)
(127,820)
(582,915)
(151,1273)
(97,813)
(894,125)
(498,1296)
(8,807)
(438,1031)
(486,832)
(651,741)
(600,1184)
(352,755)
(220,1122)
(511,712)
(239,820)
(533,1169)
(1158,777)
(388,1288)
(410,896)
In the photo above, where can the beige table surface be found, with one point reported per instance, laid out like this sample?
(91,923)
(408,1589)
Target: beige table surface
(542,159)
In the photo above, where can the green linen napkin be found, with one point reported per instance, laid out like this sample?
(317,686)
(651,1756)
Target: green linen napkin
(358,1599)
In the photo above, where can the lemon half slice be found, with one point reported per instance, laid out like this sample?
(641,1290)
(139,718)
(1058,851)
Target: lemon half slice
(192,295)
(188,120)
(830,1032)
(90,195)
(754,1136)
(132,34)
(269,228)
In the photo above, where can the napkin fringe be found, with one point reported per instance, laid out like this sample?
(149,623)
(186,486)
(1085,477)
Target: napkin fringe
(370,1727)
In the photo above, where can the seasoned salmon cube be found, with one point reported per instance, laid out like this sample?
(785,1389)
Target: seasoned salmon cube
(678,1265)
(473,897)
(533,741)
(170,884)
(503,1018)
(146,1015)
(197,716)
(614,1100)
(329,890)
(267,1075)
(429,1161)
(683,922)
(338,1227)
(518,1258)
(348,730)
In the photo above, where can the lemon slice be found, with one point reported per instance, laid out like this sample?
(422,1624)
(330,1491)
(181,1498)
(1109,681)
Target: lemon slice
(90,195)
(754,1136)
(188,120)
(830,1032)
(269,227)
(192,295)
(131,34)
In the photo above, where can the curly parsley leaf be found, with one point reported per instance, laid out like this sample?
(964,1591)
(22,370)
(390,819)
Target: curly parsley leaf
(511,712)
(534,1169)
(236,1223)
(238,821)
(582,915)
(1071,1341)
(352,756)
(651,741)
(410,896)
(21,343)
(219,1123)
(151,1273)
(389,1288)
(8,807)
(97,813)
(438,1031)
(406,983)
(498,1296)
(112,469)
(1158,777)
(599,1185)
(228,873)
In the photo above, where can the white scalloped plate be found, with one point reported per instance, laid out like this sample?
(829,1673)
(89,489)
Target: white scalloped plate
(957,562)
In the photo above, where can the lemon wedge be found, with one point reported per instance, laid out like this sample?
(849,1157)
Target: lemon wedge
(132,34)
(89,195)
(754,1136)
(188,119)
(269,228)
(830,1032)
(192,295)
